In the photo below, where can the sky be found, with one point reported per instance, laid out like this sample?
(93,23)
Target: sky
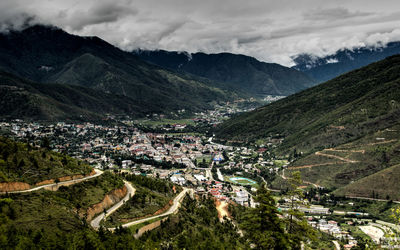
(270,30)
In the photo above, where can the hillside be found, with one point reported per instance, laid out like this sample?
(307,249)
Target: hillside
(20,162)
(338,111)
(239,72)
(50,55)
(23,99)
(325,68)
(352,167)
(382,185)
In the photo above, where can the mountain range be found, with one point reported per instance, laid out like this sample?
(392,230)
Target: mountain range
(49,55)
(239,72)
(325,68)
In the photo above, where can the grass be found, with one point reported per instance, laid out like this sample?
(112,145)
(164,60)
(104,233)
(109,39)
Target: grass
(280,163)
(241,182)
(383,184)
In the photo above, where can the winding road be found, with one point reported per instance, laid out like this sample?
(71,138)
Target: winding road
(175,206)
(95,223)
(48,186)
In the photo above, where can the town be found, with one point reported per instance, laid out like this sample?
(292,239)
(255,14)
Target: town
(179,153)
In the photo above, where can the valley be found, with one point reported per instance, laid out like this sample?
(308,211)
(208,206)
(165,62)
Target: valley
(199,125)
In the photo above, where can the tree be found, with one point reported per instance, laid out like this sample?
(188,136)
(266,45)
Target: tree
(396,217)
(45,143)
(262,224)
(297,226)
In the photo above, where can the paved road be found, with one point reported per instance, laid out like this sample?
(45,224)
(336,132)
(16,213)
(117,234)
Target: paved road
(175,206)
(337,246)
(98,173)
(95,223)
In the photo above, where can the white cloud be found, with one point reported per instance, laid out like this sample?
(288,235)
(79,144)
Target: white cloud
(269,30)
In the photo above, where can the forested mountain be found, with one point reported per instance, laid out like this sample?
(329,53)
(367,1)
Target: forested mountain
(239,72)
(50,55)
(325,68)
(24,99)
(332,113)
(340,134)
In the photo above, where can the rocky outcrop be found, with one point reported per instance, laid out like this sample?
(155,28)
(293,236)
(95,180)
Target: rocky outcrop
(109,200)
(13,186)
(64,178)
(148,227)
(19,186)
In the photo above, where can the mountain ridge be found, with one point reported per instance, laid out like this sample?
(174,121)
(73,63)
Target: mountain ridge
(50,55)
(241,72)
(344,60)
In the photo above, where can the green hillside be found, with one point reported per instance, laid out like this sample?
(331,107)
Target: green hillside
(23,99)
(382,185)
(351,162)
(347,129)
(20,162)
(338,111)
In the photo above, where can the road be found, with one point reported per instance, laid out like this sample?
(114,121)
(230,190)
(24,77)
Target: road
(209,174)
(336,157)
(220,176)
(175,206)
(98,173)
(95,223)
(337,245)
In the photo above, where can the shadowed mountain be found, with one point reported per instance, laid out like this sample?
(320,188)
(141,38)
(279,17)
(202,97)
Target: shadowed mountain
(239,72)
(24,99)
(50,55)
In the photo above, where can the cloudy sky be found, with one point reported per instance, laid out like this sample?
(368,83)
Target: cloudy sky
(270,30)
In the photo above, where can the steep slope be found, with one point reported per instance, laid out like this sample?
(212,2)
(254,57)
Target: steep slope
(50,55)
(381,185)
(24,99)
(343,61)
(239,72)
(338,111)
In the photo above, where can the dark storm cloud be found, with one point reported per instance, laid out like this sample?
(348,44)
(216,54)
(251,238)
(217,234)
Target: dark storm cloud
(101,12)
(269,30)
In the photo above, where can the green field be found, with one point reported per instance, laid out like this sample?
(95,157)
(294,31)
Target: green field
(242,181)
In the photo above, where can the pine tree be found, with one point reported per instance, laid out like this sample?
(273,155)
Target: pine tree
(262,224)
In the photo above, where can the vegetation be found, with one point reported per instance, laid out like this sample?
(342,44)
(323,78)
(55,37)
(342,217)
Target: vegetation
(333,113)
(48,214)
(266,230)
(196,226)
(21,162)
(85,70)
(151,195)
(238,72)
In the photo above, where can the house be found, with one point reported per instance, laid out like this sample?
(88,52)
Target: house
(241,197)
(126,163)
